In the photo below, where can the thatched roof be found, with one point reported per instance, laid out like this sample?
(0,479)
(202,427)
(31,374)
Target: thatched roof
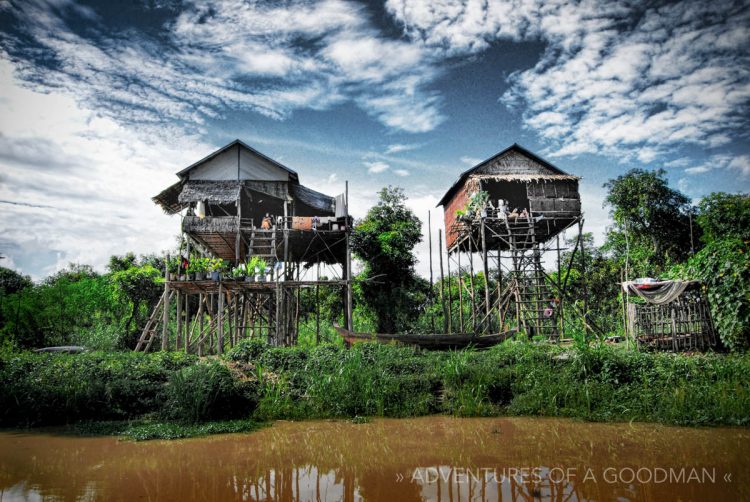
(215,192)
(168,199)
(182,193)
(525,177)
(502,167)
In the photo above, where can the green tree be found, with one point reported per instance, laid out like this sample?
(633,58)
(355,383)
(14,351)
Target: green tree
(722,215)
(138,287)
(723,264)
(651,223)
(12,282)
(384,240)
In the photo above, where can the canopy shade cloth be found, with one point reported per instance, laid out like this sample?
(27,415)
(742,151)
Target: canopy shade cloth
(659,292)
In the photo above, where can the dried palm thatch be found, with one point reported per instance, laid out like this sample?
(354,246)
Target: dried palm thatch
(214,192)
(168,199)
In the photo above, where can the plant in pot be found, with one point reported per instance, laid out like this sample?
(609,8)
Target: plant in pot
(173,268)
(198,267)
(238,273)
(216,266)
(258,267)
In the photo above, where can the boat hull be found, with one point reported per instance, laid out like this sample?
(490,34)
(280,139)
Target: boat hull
(430,342)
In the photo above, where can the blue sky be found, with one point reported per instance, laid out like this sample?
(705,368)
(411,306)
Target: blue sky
(101,103)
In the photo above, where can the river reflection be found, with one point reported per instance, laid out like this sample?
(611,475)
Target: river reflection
(430,458)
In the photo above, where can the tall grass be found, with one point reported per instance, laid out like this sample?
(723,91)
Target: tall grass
(519,378)
(596,382)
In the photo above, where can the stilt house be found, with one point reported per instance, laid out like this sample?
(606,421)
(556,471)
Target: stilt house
(238,204)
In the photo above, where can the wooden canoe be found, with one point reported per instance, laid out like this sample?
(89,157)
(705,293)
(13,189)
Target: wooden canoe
(430,342)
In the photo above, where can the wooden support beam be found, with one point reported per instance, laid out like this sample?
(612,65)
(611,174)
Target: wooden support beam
(349,303)
(200,343)
(486,271)
(460,293)
(178,338)
(432,285)
(165,320)
(442,280)
(220,314)
(450,293)
(471,286)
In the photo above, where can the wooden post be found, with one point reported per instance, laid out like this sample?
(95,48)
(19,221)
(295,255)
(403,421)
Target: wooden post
(349,303)
(236,330)
(295,335)
(450,293)
(201,299)
(486,271)
(286,241)
(471,286)
(500,317)
(583,272)
(624,311)
(442,280)
(278,334)
(560,288)
(165,320)
(238,240)
(459,276)
(432,285)
(220,340)
(317,308)
(178,338)
(186,340)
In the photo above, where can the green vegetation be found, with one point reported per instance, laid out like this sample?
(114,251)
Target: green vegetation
(48,389)
(655,233)
(173,395)
(600,383)
(384,240)
(142,430)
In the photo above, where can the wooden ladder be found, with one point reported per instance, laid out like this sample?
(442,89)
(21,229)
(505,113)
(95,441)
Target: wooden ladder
(151,330)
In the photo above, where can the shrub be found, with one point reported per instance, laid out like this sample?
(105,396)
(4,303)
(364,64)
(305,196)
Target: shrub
(206,391)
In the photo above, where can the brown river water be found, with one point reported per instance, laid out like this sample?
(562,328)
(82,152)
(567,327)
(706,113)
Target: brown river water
(430,458)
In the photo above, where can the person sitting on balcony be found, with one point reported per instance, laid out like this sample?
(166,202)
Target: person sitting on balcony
(266,223)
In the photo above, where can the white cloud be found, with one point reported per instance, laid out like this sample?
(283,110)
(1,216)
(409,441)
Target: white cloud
(698,169)
(401,172)
(269,58)
(400,147)
(376,167)
(741,164)
(81,194)
(677,74)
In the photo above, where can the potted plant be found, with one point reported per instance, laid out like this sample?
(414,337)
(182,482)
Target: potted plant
(198,267)
(239,272)
(173,268)
(257,266)
(216,267)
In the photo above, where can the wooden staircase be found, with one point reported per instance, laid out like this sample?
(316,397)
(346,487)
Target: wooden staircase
(263,244)
(152,330)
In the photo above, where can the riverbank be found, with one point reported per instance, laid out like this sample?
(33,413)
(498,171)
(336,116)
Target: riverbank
(254,381)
